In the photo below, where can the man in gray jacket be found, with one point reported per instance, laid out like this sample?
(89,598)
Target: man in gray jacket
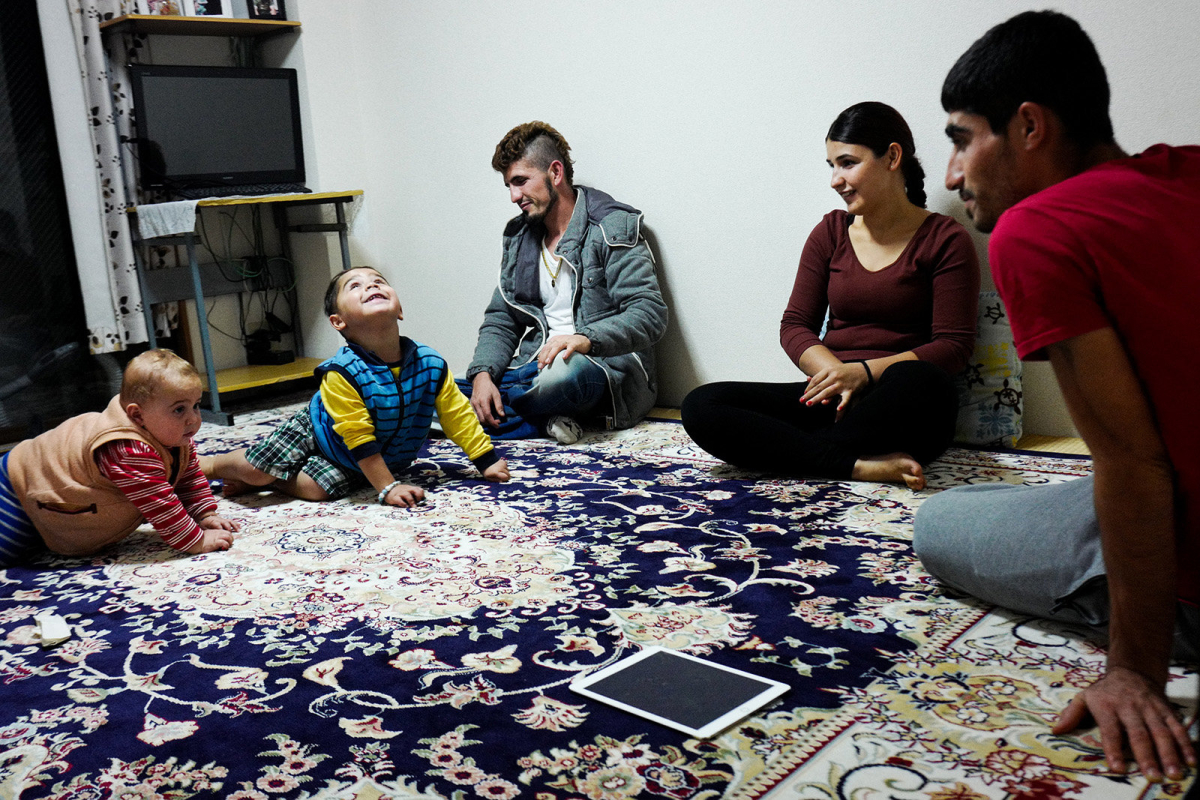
(571,327)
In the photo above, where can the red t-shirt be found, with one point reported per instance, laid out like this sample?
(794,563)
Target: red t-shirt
(925,301)
(1119,246)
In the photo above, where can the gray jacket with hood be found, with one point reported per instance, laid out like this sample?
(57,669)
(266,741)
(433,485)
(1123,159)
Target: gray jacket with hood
(618,305)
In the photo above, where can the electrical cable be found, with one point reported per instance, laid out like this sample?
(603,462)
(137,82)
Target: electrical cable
(208,319)
(242,270)
(291,273)
(220,263)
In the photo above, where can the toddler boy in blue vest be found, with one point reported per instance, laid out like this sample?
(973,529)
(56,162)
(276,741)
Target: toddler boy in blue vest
(371,414)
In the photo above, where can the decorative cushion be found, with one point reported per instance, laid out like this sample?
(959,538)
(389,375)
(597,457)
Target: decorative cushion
(989,389)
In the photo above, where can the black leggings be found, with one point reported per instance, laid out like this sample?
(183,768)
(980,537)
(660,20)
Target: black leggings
(763,426)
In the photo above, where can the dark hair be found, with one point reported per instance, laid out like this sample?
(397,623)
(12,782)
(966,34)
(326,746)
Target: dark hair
(878,126)
(1041,57)
(335,287)
(539,143)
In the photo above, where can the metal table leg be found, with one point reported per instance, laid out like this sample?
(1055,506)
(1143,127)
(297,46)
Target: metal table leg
(214,392)
(147,307)
(343,233)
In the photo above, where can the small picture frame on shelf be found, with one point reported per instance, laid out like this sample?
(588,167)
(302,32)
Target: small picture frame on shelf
(161,8)
(266,9)
(208,8)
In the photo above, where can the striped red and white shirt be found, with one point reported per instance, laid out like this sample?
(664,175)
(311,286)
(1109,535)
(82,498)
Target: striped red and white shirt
(142,477)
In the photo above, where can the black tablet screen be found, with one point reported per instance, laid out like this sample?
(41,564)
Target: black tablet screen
(689,692)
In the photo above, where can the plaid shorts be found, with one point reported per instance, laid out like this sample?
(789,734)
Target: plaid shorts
(292,448)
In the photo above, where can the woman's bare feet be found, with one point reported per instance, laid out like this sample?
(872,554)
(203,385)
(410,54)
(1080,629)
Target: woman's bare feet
(890,468)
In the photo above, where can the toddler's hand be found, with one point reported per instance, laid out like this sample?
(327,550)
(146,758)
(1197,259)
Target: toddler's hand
(498,472)
(215,522)
(214,539)
(405,496)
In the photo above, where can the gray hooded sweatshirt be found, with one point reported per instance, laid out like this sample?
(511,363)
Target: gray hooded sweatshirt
(617,305)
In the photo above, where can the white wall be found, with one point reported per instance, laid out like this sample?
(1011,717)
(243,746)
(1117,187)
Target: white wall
(709,116)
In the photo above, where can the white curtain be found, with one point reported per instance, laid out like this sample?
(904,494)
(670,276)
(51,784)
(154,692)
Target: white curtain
(112,300)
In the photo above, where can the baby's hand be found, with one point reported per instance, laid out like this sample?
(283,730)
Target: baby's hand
(498,472)
(405,496)
(214,539)
(215,522)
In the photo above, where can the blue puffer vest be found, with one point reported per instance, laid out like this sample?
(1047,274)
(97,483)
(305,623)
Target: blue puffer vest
(401,408)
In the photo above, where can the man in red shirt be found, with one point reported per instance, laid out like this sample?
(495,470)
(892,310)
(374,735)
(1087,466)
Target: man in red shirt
(1097,256)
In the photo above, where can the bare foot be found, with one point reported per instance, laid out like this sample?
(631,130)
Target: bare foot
(232,487)
(890,468)
(206,465)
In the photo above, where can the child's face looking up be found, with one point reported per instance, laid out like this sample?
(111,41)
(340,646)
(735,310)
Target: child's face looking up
(172,415)
(365,294)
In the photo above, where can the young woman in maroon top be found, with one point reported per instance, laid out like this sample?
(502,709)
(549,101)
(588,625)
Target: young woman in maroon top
(901,287)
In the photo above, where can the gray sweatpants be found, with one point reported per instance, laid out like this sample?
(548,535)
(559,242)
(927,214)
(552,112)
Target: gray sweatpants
(1033,549)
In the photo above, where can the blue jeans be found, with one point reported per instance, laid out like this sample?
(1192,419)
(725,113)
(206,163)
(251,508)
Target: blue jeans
(531,396)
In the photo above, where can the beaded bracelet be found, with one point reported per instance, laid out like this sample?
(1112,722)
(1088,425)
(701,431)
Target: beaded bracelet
(383,495)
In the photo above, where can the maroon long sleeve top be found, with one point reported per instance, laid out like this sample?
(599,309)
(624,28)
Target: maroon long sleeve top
(926,301)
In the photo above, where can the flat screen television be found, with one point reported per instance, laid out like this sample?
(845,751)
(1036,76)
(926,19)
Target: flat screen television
(214,127)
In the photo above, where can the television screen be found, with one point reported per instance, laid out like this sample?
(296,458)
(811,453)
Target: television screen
(216,126)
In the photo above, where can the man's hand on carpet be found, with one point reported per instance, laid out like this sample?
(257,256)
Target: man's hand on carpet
(486,400)
(498,472)
(405,496)
(1126,705)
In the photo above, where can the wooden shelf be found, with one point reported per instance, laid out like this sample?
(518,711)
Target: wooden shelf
(287,199)
(299,199)
(256,375)
(197,26)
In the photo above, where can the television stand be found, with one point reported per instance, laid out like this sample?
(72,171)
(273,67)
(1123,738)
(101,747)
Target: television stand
(196,283)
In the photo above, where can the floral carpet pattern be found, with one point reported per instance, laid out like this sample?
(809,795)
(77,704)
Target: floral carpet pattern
(348,650)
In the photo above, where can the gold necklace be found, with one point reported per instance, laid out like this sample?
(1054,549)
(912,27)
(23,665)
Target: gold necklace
(552,273)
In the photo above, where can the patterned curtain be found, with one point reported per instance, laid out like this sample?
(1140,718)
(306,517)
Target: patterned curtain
(112,299)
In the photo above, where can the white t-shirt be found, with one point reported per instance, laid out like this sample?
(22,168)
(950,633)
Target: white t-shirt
(557,285)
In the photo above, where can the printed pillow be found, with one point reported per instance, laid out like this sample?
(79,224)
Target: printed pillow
(989,389)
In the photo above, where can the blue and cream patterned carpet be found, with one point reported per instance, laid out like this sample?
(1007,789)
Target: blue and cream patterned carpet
(347,650)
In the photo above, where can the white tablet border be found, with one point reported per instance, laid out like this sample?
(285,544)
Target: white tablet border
(771,691)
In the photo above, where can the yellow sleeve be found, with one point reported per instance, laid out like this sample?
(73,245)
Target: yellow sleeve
(351,421)
(459,421)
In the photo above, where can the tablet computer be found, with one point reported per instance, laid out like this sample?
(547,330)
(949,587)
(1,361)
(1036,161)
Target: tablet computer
(679,690)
